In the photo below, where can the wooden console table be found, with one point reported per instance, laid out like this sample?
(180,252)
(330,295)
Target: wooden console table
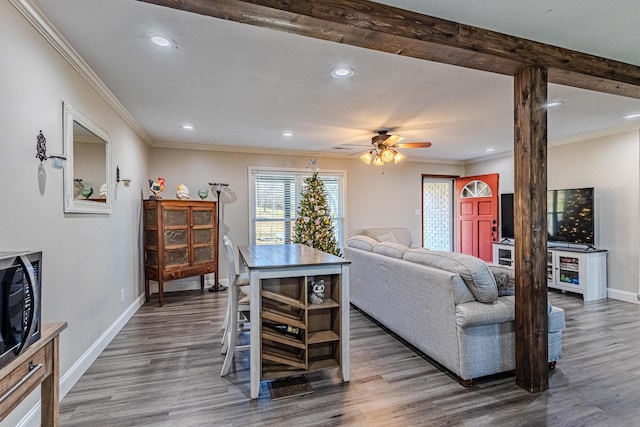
(37,365)
(280,276)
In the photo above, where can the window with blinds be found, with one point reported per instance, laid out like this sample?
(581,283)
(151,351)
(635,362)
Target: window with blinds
(274,198)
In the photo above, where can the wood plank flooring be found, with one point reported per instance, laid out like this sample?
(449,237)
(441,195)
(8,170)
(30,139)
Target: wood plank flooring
(163,369)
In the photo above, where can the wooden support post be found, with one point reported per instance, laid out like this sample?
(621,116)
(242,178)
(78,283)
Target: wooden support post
(530,206)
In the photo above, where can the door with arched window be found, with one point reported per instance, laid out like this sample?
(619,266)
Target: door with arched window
(477,215)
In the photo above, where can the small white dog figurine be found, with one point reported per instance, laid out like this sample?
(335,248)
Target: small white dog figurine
(316,292)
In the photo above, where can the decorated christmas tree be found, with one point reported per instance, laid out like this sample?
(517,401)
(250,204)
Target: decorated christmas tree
(313,225)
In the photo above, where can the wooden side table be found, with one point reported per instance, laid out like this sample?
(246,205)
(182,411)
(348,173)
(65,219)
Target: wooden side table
(39,364)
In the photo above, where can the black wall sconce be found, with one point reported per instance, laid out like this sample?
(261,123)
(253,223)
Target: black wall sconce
(57,161)
(125,181)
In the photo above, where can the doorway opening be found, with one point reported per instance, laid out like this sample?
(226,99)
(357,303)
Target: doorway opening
(438,212)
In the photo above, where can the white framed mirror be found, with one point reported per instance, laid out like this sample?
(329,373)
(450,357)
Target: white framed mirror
(88,187)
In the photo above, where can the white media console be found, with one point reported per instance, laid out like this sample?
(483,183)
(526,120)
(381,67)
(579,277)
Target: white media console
(569,269)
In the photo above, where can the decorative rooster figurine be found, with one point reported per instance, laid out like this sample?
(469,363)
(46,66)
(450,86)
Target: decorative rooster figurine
(156,188)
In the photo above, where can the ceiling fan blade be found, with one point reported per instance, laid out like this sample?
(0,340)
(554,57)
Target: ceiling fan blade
(392,140)
(413,145)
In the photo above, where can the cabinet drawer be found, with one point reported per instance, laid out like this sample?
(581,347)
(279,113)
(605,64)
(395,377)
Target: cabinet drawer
(21,380)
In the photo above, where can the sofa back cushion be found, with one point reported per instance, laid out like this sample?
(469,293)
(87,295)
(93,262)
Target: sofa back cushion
(394,235)
(395,250)
(473,271)
(365,243)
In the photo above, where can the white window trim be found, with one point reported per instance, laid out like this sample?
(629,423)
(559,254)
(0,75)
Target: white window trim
(252,170)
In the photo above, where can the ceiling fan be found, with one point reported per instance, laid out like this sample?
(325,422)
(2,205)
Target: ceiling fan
(384,148)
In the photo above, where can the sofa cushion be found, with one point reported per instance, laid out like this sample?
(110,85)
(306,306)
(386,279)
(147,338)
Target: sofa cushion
(400,234)
(505,278)
(387,237)
(395,250)
(365,243)
(473,271)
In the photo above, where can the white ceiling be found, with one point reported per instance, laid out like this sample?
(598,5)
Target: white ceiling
(243,86)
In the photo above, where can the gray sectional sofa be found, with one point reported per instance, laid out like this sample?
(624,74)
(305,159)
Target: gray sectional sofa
(447,305)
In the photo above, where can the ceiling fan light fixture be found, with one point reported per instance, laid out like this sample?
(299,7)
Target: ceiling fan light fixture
(378,161)
(387,155)
(398,157)
(367,157)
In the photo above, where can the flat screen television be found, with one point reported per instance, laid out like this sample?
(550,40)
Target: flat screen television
(570,216)
(506,216)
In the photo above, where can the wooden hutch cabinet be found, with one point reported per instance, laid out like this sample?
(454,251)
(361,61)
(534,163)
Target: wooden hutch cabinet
(180,240)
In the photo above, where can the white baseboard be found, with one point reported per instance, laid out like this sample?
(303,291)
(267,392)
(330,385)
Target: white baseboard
(68,380)
(623,295)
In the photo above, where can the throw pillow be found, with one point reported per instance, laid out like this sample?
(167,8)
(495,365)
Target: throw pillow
(474,271)
(365,243)
(395,250)
(387,237)
(505,279)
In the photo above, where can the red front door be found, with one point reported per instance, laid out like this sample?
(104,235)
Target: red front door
(477,215)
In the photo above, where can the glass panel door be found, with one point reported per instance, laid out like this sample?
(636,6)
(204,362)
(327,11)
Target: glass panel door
(437,213)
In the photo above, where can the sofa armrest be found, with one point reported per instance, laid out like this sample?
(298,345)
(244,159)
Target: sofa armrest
(476,313)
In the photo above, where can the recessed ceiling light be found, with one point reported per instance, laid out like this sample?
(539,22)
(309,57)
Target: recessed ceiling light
(342,72)
(188,127)
(160,40)
(287,134)
(490,149)
(554,104)
(632,116)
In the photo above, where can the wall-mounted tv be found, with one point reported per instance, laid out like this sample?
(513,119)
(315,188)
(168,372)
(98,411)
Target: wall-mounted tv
(570,216)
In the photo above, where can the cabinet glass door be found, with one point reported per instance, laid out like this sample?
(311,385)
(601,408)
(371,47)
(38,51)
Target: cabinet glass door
(176,237)
(569,270)
(203,234)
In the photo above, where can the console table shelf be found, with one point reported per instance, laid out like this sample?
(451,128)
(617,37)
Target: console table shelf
(37,365)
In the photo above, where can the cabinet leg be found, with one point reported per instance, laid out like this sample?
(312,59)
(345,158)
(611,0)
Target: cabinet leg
(202,282)
(160,292)
(146,290)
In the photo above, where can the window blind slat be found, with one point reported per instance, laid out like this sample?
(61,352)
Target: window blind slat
(274,200)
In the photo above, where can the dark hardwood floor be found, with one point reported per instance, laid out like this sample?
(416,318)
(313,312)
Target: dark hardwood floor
(163,369)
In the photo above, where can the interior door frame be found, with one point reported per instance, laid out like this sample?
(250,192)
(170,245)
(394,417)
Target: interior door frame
(452,205)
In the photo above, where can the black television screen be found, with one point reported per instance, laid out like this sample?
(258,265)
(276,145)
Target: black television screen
(506,216)
(570,216)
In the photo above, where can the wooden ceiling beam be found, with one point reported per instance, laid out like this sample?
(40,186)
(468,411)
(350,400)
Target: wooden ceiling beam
(389,29)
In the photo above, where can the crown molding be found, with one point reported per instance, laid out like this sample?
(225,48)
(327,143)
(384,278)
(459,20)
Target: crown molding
(45,27)
(281,152)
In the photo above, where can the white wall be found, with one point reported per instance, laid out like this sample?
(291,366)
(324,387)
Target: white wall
(87,259)
(611,165)
(376,197)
